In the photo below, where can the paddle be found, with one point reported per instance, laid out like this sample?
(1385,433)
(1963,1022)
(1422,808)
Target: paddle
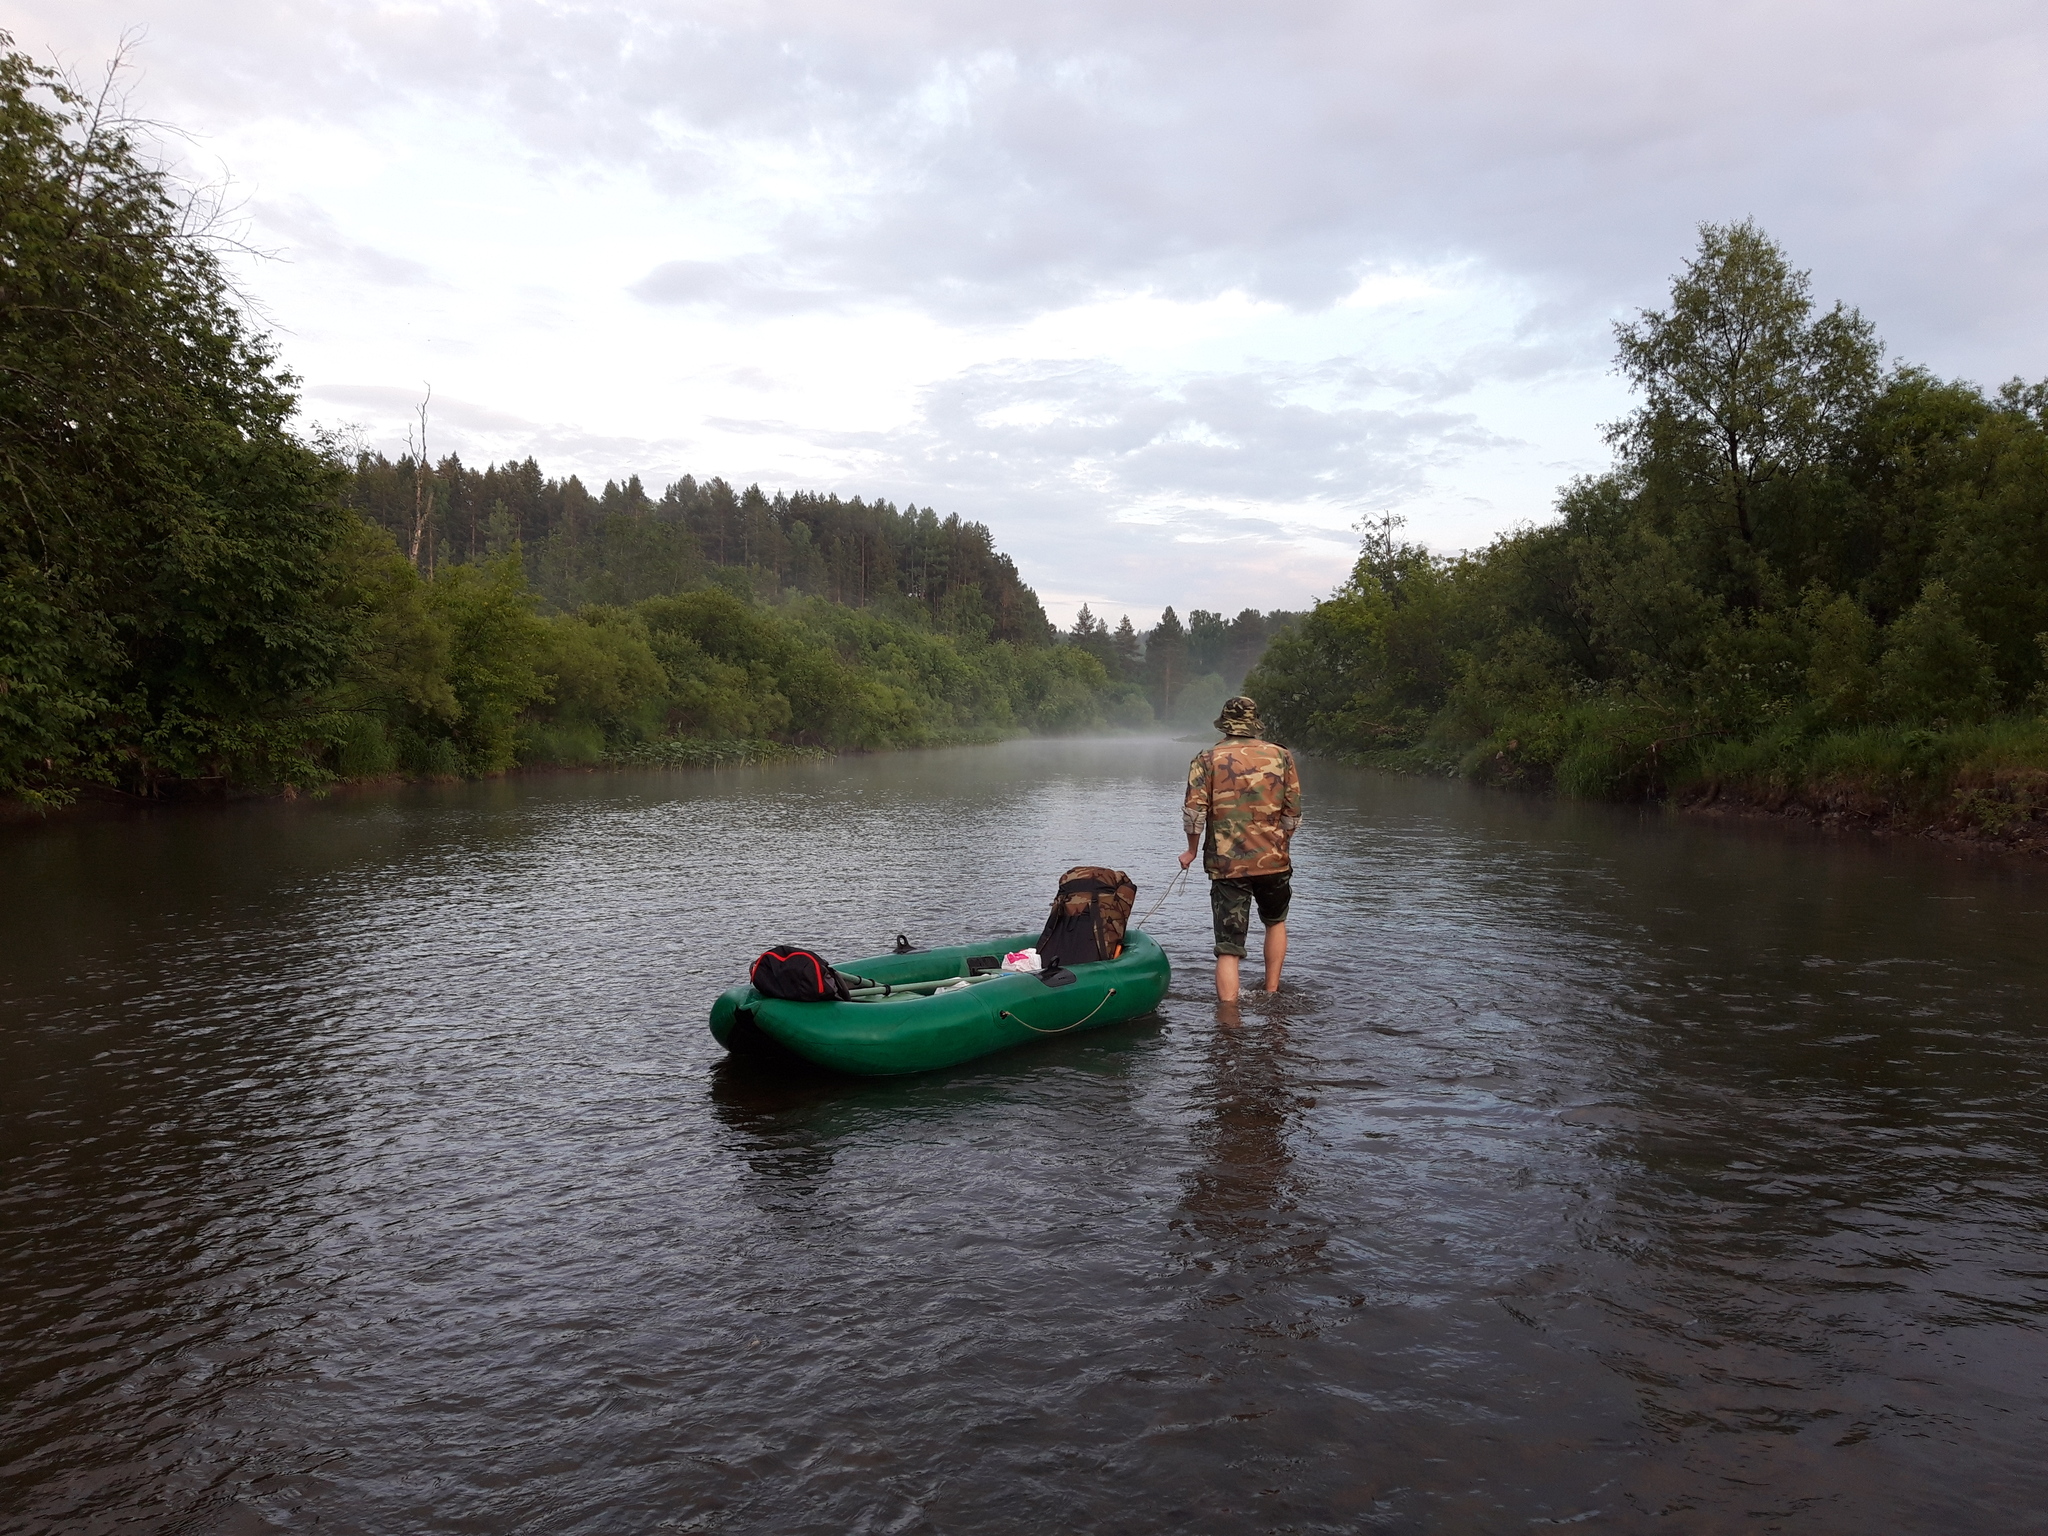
(922,988)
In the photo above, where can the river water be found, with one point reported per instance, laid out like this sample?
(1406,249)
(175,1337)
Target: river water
(368,1168)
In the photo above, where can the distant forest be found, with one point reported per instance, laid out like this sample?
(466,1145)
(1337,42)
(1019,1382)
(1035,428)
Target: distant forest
(1185,671)
(622,545)
(1807,579)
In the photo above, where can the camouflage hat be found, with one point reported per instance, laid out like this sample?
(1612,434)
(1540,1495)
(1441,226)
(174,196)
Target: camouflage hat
(1240,717)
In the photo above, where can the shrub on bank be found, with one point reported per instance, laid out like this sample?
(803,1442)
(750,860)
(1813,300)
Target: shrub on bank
(1965,769)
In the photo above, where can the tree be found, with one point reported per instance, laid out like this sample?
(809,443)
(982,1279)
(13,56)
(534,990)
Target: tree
(1933,667)
(1742,386)
(420,547)
(167,547)
(1208,641)
(1166,661)
(1372,663)
(1127,649)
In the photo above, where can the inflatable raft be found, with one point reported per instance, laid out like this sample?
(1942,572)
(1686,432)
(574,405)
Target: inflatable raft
(905,1023)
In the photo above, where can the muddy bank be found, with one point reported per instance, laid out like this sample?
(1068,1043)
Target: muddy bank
(2005,810)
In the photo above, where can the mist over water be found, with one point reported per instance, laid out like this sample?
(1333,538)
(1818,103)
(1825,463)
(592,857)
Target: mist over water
(367,1167)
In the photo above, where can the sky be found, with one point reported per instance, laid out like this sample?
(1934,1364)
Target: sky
(1170,295)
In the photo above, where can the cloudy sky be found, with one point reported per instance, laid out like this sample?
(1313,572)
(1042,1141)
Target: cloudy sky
(1169,294)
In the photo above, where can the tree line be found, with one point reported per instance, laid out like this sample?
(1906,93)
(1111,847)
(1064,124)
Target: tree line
(622,545)
(1805,574)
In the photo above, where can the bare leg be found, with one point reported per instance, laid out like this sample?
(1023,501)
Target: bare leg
(1276,954)
(1226,978)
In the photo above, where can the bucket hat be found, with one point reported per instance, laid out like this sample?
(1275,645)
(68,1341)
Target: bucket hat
(1240,717)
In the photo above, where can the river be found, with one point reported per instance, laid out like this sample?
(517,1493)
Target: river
(368,1168)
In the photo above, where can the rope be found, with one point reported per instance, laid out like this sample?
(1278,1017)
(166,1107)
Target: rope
(1171,886)
(1064,1027)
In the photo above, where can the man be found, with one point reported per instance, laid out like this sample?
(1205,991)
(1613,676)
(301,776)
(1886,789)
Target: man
(1247,793)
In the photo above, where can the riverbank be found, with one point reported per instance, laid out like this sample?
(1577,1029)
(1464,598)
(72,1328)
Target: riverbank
(1985,785)
(2005,810)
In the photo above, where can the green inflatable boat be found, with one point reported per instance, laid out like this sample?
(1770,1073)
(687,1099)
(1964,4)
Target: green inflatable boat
(906,1023)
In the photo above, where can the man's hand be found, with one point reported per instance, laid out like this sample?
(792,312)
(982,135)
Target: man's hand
(1187,858)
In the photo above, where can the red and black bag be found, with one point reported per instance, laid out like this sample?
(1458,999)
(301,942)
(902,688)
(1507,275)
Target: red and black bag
(797,976)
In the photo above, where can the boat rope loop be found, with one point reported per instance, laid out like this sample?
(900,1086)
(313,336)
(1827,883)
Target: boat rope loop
(1064,1027)
(1171,886)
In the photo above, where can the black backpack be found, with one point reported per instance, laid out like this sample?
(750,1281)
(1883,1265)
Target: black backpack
(1088,917)
(797,976)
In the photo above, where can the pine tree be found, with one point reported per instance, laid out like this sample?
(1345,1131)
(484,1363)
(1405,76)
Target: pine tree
(1166,662)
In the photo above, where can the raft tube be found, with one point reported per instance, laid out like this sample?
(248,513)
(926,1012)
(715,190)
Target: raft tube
(916,1031)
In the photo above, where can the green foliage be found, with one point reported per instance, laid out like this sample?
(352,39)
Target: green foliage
(1841,671)
(1799,565)
(1988,778)
(167,548)
(1934,668)
(1743,389)
(813,674)
(605,681)
(1368,669)
(496,651)
(1990,534)
(465,678)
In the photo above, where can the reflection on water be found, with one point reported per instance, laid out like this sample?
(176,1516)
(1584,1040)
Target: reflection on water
(1242,1212)
(367,1167)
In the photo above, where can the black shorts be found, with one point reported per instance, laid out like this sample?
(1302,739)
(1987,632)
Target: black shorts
(1230,903)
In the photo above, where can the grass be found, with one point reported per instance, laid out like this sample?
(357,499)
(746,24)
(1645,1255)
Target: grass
(1988,780)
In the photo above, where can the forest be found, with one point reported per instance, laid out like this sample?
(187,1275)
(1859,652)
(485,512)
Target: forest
(1807,579)
(194,598)
(622,545)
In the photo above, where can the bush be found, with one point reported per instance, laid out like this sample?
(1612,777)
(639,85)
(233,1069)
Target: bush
(167,547)
(1933,667)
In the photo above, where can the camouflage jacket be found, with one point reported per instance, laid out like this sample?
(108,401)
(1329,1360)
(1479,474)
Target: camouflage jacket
(1248,794)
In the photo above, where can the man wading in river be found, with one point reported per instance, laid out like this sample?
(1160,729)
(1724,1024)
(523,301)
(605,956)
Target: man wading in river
(1248,794)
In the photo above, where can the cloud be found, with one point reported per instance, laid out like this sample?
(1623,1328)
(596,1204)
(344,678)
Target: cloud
(751,286)
(480,433)
(316,237)
(983,160)
(1238,436)
(1177,491)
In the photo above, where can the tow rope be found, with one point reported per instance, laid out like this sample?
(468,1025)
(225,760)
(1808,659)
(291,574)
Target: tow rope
(1171,886)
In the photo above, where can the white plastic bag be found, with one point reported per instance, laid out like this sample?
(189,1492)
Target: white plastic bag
(1024,960)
